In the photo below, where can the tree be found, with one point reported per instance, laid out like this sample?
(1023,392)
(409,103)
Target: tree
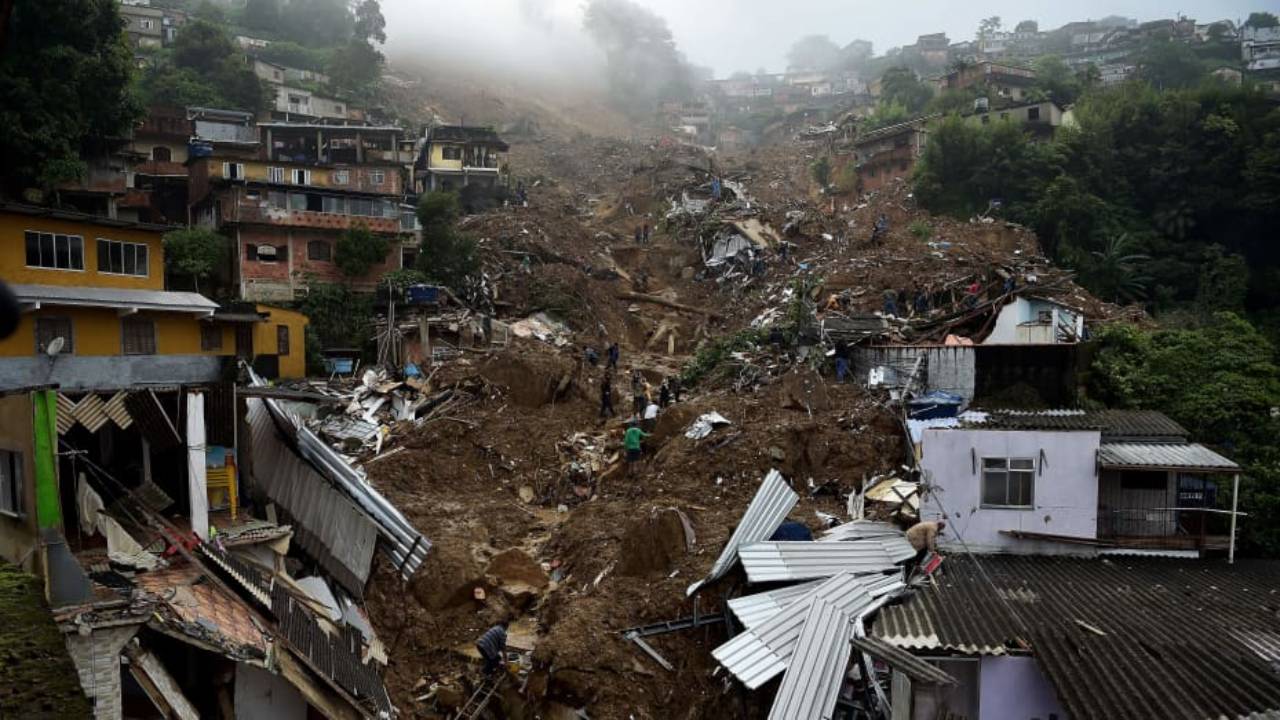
(813,52)
(358,249)
(884,115)
(195,252)
(370,25)
(1114,273)
(643,65)
(64,87)
(202,47)
(1262,20)
(355,70)
(262,15)
(1027,26)
(1055,78)
(448,256)
(1170,64)
(988,26)
(900,85)
(317,22)
(821,171)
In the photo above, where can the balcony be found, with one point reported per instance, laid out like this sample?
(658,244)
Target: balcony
(257,215)
(1164,528)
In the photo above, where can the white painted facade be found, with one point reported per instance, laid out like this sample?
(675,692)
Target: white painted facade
(1032,321)
(1064,489)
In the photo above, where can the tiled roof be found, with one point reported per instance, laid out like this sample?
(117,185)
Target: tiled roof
(1114,424)
(1120,639)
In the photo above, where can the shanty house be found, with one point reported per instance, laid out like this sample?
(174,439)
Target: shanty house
(1036,321)
(454,156)
(1074,482)
(890,153)
(1121,638)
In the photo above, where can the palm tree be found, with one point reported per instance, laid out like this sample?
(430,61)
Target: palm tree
(1115,274)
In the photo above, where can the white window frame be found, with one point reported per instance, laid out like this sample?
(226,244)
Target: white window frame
(341,177)
(378,177)
(275,175)
(55,236)
(1027,468)
(300,176)
(145,23)
(12,497)
(233,171)
(145,249)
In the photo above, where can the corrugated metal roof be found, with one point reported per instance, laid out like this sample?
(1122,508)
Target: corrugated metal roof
(1173,456)
(80,296)
(751,610)
(812,682)
(772,501)
(762,652)
(859,529)
(903,661)
(1116,424)
(1121,638)
(781,561)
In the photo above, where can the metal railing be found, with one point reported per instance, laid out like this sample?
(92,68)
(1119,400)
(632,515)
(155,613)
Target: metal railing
(1189,528)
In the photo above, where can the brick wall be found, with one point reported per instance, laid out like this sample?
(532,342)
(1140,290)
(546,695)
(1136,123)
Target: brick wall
(294,264)
(97,660)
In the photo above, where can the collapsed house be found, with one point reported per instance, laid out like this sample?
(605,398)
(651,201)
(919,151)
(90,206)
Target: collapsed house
(199,557)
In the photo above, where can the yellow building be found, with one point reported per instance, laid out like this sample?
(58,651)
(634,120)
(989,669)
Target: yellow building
(456,156)
(95,314)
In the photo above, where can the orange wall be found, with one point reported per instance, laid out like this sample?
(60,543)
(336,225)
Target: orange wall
(13,253)
(293,365)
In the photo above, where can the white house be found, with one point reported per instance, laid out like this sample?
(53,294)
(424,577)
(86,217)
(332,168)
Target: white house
(1072,482)
(1036,321)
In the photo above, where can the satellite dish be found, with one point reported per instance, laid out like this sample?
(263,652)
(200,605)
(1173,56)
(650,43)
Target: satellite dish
(55,346)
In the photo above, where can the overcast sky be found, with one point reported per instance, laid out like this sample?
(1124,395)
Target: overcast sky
(730,35)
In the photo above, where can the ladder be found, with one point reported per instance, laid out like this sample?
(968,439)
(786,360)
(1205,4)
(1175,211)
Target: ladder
(479,699)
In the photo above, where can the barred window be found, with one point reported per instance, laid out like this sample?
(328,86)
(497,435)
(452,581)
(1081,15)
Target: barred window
(49,328)
(210,337)
(139,336)
(282,339)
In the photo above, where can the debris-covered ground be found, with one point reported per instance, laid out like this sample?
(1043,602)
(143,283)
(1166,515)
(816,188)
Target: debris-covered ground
(520,484)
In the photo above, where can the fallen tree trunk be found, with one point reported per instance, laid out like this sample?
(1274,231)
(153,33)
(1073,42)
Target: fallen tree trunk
(641,297)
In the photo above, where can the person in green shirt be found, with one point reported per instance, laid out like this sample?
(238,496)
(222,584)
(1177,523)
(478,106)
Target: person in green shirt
(631,442)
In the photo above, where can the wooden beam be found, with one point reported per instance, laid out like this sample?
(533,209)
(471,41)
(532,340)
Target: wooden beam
(656,300)
(284,394)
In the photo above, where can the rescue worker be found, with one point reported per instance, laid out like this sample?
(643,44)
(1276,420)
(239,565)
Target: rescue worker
(923,536)
(492,645)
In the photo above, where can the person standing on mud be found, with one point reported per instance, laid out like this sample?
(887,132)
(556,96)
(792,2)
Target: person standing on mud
(646,232)
(639,234)
(614,354)
(638,400)
(492,644)
(606,397)
(632,442)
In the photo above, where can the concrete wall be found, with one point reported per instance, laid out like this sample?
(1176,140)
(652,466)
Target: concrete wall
(1065,495)
(17,433)
(948,368)
(97,660)
(89,373)
(260,695)
(1013,688)
(266,339)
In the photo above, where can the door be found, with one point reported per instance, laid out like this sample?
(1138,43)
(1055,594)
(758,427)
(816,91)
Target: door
(244,340)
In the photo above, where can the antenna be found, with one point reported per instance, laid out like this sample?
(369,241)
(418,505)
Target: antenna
(54,347)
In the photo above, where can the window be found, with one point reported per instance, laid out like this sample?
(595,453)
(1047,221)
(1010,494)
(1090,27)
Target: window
(146,24)
(250,251)
(451,152)
(1008,482)
(377,177)
(1044,317)
(319,250)
(160,153)
(301,177)
(341,177)
(48,328)
(139,336)
(282,339)
(275,174)
(297,201)
(337,108)
(11,483)
(122,258)
(275,74)
(297,100)
(361,206)
(233,171)
(986,119)
(55,252)
(335,205)
(277,199)
(210,337)
(1033,113)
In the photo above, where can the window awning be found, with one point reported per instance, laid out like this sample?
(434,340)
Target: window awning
(1163,456)
(34,297)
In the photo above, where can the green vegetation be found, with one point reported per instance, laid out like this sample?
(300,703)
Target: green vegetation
(448,256)
(195,253)
(358,249)
(922,230)
(712,355)
(900,85)
(820,170)
(340,316)
(39,679)
(1218,379)
(202,68)
(64,89)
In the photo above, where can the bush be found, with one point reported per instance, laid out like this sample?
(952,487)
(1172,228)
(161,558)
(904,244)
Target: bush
(358,250)
(448,256)
(921,230)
